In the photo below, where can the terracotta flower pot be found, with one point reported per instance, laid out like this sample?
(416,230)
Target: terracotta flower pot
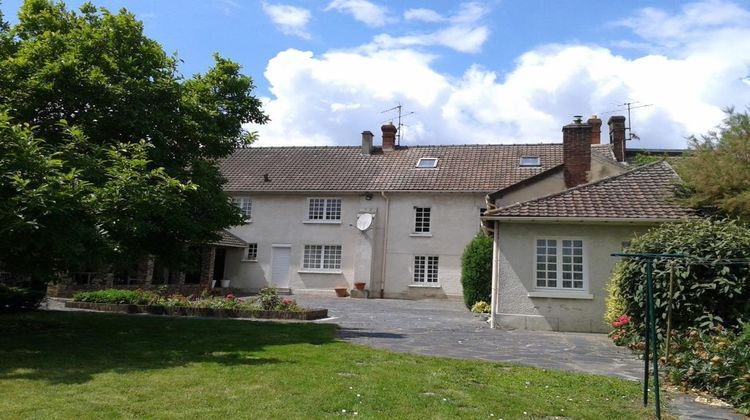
(341,292)
(360,285)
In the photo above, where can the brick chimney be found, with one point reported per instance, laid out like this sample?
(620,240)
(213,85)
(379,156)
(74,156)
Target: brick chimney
(616,125)
(389,136)
(596,129)
(366,142)
(576,152)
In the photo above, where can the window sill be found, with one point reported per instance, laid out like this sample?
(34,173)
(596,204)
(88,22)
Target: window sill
(426,286)
(421,235)
(561,295)
(249,261)
(308,271)
(322,222)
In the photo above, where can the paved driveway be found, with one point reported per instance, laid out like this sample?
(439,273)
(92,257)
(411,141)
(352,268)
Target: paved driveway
(444,328)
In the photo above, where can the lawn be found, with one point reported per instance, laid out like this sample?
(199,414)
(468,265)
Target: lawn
(86,365)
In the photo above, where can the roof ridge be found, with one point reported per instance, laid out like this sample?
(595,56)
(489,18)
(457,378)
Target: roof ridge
(589,184)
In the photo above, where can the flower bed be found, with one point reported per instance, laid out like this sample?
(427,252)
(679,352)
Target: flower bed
(268,305)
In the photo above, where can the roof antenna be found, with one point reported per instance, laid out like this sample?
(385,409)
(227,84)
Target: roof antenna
(628,106)
(400,125)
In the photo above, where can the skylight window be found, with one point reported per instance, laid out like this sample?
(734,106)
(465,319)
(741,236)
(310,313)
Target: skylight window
(530,161)
(426,163)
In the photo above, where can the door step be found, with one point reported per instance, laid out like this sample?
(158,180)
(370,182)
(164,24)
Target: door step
(283,290)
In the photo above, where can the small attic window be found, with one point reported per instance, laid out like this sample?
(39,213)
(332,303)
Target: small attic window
(426,163)
(527,161)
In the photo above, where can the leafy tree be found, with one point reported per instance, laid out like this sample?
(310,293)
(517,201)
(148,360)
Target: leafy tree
(122,150)
(716,173)
(476,270)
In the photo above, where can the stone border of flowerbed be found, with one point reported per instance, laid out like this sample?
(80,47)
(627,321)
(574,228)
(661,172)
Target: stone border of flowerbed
(303,315)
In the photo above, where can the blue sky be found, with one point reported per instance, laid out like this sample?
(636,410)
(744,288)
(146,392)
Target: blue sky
(473,72)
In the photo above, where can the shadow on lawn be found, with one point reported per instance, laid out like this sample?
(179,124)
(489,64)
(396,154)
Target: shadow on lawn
(71,347)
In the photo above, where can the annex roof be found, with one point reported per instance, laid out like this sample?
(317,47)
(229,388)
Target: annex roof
(229,240)
(460,168)
(643,193)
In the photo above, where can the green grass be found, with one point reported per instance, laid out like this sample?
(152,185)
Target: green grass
(84,365)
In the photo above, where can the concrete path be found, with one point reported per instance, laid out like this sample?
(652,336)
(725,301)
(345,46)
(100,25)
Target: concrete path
(446,328)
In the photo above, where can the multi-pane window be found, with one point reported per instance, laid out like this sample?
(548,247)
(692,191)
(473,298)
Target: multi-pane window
(559,264)
(245,205)
(252,252)
(421,219)
(425,269)
(324,209)
(322,257)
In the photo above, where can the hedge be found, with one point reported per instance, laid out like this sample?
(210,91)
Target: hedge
(476,270)
(15,299)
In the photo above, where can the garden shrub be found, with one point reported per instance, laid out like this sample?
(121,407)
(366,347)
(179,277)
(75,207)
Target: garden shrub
(14,298)
(706,293)
(117,296)
(715,360)
(476,270)
(481,307)
(268,298)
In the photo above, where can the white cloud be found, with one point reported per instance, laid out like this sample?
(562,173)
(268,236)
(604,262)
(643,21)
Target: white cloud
(423,15)
(331,98)
(364,11)
(290,20)
(463,33)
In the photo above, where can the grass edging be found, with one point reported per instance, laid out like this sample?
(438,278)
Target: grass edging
(304,315)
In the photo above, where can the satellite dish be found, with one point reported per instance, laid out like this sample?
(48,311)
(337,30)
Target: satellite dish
(364,221)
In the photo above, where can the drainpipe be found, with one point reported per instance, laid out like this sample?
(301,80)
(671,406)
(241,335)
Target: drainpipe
(385,242)
(495,276)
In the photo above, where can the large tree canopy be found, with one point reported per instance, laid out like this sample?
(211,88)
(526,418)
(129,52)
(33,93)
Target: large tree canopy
(716,172)
(117,148)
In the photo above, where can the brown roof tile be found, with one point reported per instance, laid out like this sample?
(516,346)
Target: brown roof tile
(475,168)
(642,193)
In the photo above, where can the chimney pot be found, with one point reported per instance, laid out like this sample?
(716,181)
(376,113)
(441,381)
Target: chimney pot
(367,142)
(576,152)
(389,136)
(578,119)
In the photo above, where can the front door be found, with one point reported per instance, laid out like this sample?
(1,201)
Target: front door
(280,266)
(219,260)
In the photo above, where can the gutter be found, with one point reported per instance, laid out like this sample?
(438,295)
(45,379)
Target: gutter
(592,220)
(385,242)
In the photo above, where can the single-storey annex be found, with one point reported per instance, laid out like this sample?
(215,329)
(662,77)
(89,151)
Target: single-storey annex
(552,254)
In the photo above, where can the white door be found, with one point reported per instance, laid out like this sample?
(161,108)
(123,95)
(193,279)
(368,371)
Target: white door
(280,266)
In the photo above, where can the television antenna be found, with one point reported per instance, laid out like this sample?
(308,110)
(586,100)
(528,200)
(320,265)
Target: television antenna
(628,106)
(399,109)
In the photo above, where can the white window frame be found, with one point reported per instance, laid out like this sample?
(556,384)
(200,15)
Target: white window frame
(421,278)
(251,246)
(245,204)
(415,224)
(538,162)
(325,250)
(326,204)
(559,289)
(427,164)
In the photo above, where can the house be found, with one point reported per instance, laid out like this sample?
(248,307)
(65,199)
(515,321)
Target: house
(552,254)
(396,218)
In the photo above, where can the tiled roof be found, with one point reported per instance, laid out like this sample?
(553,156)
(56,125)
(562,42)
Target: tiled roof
(230,241)
(475,168)
(645,192)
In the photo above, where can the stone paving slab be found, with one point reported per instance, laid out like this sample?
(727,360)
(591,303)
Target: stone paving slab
(447,329)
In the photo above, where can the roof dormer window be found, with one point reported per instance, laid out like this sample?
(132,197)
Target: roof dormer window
(530,161)
(427,163)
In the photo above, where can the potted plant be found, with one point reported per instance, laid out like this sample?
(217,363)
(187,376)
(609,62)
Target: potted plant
(341,292)
(360,285)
